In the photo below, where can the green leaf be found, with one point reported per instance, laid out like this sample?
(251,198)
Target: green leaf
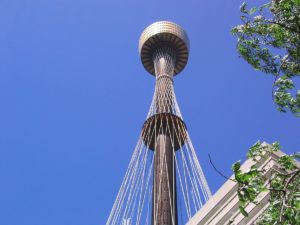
(252,10)
(254,150)
(243,211)
(298,205)
(242,49)
(236,166)
(243,7)
(234,30)
(267,5)
(230,222)
(276,146)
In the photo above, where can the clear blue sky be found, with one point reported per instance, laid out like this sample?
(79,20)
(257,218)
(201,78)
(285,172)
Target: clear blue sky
(74,96)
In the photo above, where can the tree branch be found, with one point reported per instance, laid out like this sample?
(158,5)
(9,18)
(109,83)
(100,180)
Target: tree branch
(294,174)
(283,201)
(284,26)
(218,171)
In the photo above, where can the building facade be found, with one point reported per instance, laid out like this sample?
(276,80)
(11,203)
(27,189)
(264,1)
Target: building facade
(224,204)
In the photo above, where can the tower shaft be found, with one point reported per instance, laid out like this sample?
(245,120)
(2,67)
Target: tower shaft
(164,209)
(164,60)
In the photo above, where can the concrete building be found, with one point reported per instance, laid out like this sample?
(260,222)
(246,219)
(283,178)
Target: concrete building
(224,205)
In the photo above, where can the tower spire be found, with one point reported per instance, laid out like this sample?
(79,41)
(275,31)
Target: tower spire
(164,166)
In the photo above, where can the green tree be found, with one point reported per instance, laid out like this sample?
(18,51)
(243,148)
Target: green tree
(269,40)
(284,186)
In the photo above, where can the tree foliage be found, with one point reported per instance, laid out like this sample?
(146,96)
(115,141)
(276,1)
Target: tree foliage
(284,186)
(269,40)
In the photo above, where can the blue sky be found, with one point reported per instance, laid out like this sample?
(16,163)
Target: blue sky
(74,96)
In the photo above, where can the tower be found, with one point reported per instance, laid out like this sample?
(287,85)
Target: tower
(164,170)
